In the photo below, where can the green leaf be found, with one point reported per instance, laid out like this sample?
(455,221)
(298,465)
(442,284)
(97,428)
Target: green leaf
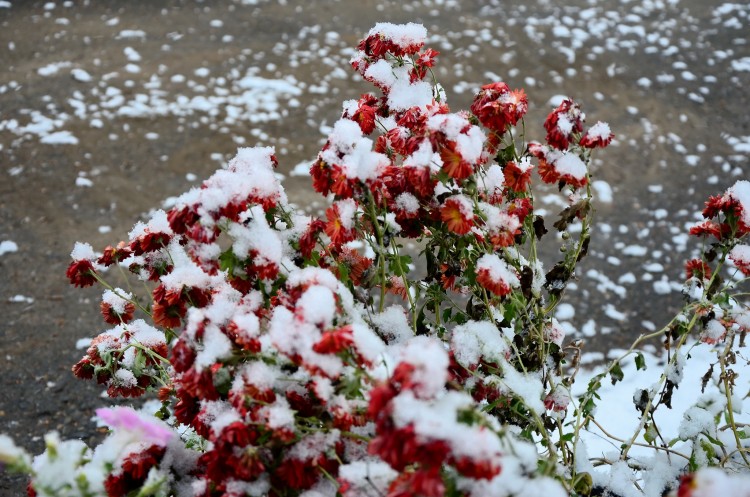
(228,261)
(139,365)
(640,361)
(343,273)
(616,373)
(447,313)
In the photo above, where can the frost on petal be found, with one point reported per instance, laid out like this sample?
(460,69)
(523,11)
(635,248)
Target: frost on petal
(554,332)
(117,299)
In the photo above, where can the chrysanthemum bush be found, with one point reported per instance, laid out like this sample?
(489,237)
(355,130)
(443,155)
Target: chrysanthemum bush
(289,355)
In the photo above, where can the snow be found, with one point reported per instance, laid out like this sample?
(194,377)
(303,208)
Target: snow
(52,68)
(477,340)
(59,138)
(499,270)
(8,246)
(317,306)
(741,192)
(392,324)
(82,251)
(131,33)
(81,75)
(404,95)
(570,164)
(403,35)
(430,360)
(620,420)
(602,191)
(117,299)
(527,387)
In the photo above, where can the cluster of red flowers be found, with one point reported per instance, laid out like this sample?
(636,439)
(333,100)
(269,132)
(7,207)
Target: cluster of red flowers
(275,360)
(415,445)
(728,221)
(727,215)
(125,359)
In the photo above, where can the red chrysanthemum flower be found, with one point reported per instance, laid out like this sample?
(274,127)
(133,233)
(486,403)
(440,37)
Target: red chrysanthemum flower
(356,264)
(365,113)
(477,469)
(457,213)
(517,176)
(150,242)
(169,307)
(425,483)
(341,185)
(497,107)
(503,238)
(720,204)
(341,227)
(740,255)
(697,268)
(454,163)
(114,315)
(562,123)
(599,135)
(520,207)
(734,204)
(384,39)
(81,273)
(425,60)
(705,228)
(84,369)
(559,167)
(448,277)
(309,237)
(395,285)
(334,341)
(111,254)
(421,182)
(496,275)
(320,171)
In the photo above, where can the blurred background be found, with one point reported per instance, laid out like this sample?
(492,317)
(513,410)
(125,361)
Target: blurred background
(109,108)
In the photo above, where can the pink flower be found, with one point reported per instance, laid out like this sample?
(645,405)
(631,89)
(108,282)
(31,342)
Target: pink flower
(144,428)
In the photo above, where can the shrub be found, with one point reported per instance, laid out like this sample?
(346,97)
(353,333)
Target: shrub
(296,355)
